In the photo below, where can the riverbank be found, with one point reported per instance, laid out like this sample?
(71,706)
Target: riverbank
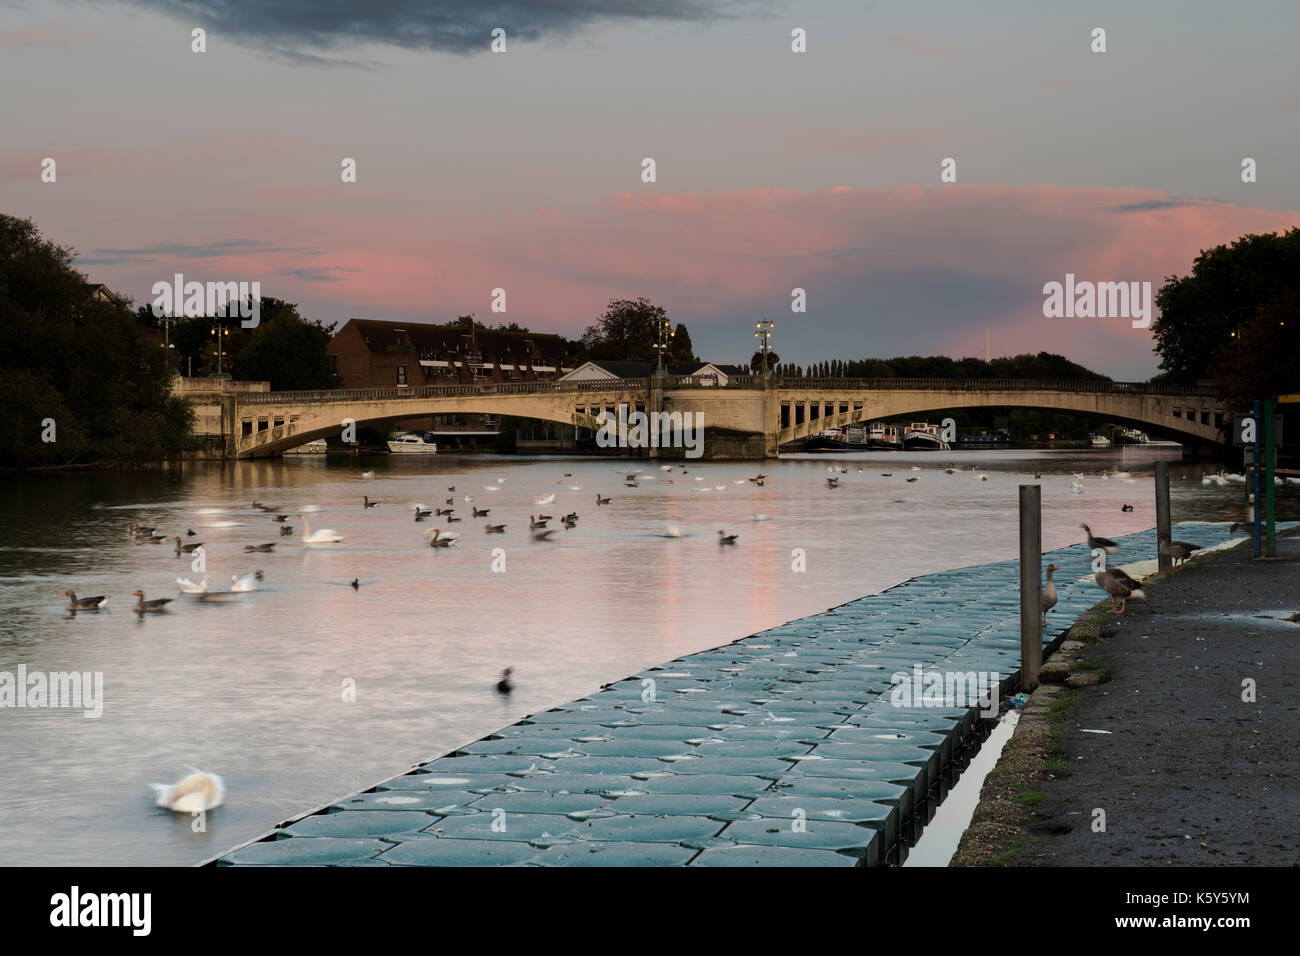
(787,747)
(1158,754)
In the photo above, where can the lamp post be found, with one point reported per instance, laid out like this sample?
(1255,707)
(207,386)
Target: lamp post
(763,332)
(664,333)
(218,330)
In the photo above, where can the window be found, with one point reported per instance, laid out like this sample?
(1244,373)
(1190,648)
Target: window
(401,375)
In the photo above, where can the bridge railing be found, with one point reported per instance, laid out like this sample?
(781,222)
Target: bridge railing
(992,385)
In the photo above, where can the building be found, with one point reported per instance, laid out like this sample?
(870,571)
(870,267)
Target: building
(367,353)
(709,373)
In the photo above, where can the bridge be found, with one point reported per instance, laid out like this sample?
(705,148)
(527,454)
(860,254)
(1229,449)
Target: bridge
(777,410)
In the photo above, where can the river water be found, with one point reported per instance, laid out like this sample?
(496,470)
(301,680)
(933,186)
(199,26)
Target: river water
(253,687)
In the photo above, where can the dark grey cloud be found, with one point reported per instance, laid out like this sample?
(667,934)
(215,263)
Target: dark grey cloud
(853,251)
(317,274)
(290,28)
(1150,205)
(215,249)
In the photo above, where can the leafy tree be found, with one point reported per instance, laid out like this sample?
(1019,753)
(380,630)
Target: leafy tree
(286,350)
(1225,291)
(627,332)
(683,350)
(1262,358)
(80,362)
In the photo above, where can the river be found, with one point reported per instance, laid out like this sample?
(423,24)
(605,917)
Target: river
(253,687)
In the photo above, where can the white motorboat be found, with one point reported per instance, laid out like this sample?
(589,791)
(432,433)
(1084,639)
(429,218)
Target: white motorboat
(922,436)
(413,443)
(1099,441)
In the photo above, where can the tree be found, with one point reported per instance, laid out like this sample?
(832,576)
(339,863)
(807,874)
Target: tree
(286,350)
(75,367)
(627,332)
(683,350)
(1262,358)
(1225,291)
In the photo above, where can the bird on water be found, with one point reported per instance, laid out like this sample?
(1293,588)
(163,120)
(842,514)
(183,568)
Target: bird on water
(504,686)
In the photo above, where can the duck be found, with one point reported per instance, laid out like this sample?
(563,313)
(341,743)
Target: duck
(198,791)
(571,516)
(504,687)
(757,482)
(142,606)
(568,525)
(189,587)
(1105,544)
(724,538)
(439,512)
(260,547)
(134,528)
(1126,508)
(422,510)
(439,540)
(356,584)
(451,487)
(1120,589)
(495,528)
(189,532)
(186,548)
(248,582)
(321,536)
(916,478)
(449,501)
(1050,596)
(1177,551)
(84,604)
(602,501)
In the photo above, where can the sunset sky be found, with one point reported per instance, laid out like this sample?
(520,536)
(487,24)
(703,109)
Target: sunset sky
(775,169)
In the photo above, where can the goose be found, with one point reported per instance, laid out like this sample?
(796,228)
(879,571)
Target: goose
(602,501)
(495,528)
(443,511)
(913,478)
(481,512)
(451,518)
(260,547)
(886,474)
(756,482)
(1050,596)
(421,509)
(1178,551)
(568,525)
(503,685)
(136,529)
(186,548)
(450,501)
(1119,589)
(189,587)
(571,516)
(724,538)
(198,791)
(320,536)
(142,606)
(534,522)
(84,604)
(365,500)
(439,540)
(1105,544)
(246,583)
(543,533)
(832,482)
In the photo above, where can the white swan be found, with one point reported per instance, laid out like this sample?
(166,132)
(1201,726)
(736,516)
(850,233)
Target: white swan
(1076,487)
(197,791)
(247,583)
(321,536)
(189,587)
(672,530)
(367,474)
(665,467)
(546,499)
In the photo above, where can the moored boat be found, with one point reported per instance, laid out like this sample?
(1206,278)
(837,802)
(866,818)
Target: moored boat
(883,435)
(413,443)
(922,436)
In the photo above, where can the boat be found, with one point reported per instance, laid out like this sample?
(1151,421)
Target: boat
(984,440)
(1131,436)
(1099,441)
(883,435)
(413,443)
(852,438)
(922,436)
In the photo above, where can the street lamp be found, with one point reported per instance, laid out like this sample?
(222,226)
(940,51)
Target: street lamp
(664,334)
(219,331)
(763,332)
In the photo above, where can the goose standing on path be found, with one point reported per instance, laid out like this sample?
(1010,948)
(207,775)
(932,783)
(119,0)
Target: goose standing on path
(142,606)
(1177,551)
(320,536)
(1050,596)
(1119,588)
(84,604)
(1105,544)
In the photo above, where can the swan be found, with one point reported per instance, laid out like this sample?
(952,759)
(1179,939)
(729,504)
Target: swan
(247,583)
(367,474)
(320,536)
(672,530)
(197,791)
(189,587)
(665,467)
(1076,488)
(761,517)
(545,499)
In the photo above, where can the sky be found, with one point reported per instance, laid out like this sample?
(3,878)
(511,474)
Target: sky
(775,170)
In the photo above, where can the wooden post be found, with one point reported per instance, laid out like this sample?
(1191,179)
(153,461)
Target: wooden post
(1162,513)
(1031,586)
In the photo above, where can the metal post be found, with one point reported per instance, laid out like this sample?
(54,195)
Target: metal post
(1031,585)
(1269,461)
(1255,518)
(1162,513)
